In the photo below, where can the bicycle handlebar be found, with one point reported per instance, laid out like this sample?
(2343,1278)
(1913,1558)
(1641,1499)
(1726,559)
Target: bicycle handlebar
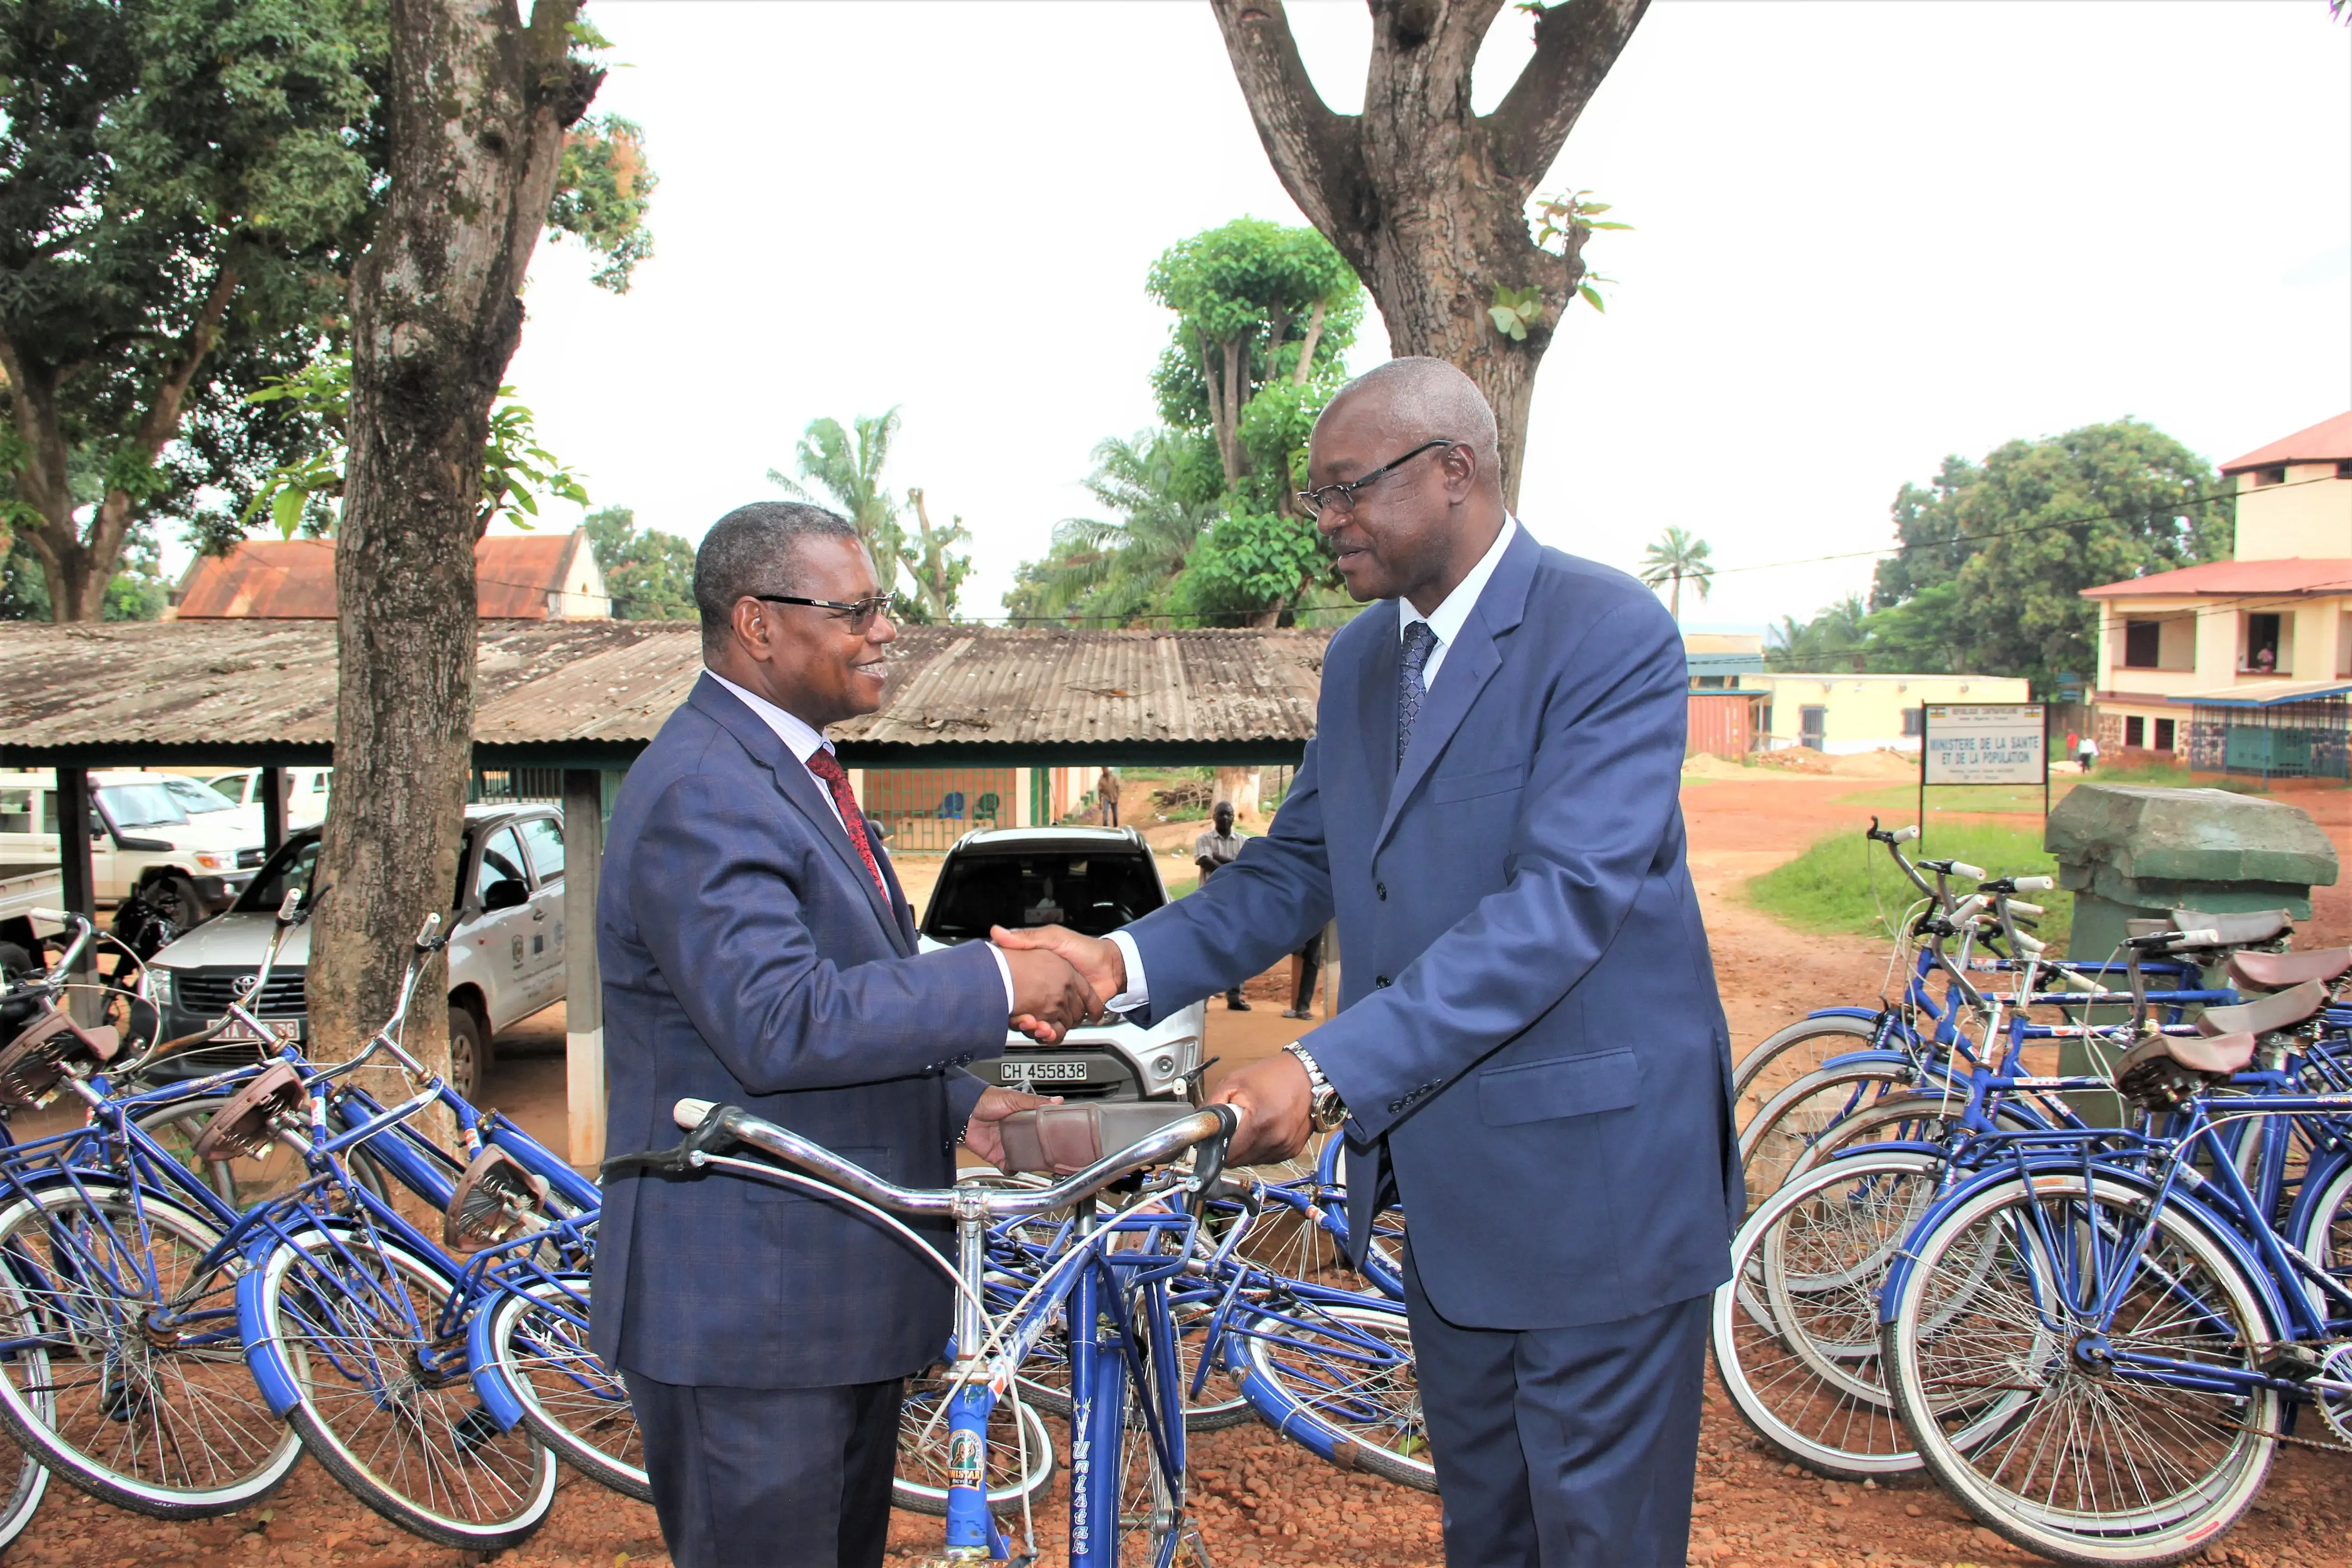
(706,1122)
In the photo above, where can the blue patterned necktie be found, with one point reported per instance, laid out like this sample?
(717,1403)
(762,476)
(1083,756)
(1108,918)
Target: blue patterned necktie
(1418,643)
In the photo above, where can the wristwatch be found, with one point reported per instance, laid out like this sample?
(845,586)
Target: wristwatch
(1323,1108)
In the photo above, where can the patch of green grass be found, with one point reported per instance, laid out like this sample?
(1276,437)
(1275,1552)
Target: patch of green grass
(1178,889)
(1829,887)
(1904,798)
(2173,777)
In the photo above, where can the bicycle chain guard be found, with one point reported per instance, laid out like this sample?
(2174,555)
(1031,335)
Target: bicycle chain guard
(41,1058)
(242,1128)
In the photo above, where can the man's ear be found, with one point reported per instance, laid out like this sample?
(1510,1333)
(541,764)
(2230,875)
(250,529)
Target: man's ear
(1459,463)
(751,628)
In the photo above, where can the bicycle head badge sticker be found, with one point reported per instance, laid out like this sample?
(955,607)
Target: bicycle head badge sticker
(964,1458)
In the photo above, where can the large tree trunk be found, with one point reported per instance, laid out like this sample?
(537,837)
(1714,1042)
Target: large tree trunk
(477,105)
(1426,199)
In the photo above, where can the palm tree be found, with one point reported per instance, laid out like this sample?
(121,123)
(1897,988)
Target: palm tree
(1114,569)
(937,574)
(1678,555)
(846,465)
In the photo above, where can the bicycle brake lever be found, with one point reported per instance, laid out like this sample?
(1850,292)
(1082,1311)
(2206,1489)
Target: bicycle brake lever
(706,1136)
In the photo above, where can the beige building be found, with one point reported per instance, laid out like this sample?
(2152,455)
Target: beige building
(2244,664)
(1845,713)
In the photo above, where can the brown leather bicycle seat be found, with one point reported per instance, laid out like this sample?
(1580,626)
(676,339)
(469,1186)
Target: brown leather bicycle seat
(34,1063)
(481,1212)
(2276,971)
(2160,1073)
(2239,930)
(1062,1140)
(242,1128)
(2279,1010)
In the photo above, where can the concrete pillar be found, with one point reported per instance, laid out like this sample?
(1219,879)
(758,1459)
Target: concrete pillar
(273,809)
(78,885)
(584,985)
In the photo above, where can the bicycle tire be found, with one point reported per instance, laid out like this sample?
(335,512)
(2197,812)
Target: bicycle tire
(1792,1120)
(360,1306)
(919,1484)
(23,1500)
(572,1400)
(1346,1392)
(1932,1378)
(239,1183)
(171,1429)
(1829,1221)
(1831,1036)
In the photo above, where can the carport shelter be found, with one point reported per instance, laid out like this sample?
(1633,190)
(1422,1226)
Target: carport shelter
(581,697)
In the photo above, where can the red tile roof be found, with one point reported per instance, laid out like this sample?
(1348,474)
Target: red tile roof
(2295,574)
(2329,441)
(294,579)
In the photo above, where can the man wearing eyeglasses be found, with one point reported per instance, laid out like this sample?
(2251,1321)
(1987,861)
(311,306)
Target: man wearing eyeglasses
(1530,1054)
(758,951)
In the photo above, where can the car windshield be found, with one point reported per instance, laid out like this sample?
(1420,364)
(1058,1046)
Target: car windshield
(289,867)
(141,806)
(196,799)
(1094,893)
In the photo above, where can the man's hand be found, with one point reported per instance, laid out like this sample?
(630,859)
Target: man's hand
(1097,959)
(981,1135)
(1049,997)
(1276,1102)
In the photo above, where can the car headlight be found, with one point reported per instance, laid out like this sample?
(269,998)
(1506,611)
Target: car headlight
(208,860)
(159,986)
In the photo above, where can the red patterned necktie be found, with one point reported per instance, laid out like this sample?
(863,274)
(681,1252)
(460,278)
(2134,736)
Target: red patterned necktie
(828,767)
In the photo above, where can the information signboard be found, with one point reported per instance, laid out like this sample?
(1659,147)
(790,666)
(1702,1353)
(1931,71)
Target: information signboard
(1987,743)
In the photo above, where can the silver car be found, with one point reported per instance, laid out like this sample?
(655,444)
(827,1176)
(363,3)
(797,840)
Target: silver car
(1091,879)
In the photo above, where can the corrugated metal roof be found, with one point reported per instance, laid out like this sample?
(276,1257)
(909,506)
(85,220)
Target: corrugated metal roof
(2329,441)
(294,579)
(2288,575)
(256,681)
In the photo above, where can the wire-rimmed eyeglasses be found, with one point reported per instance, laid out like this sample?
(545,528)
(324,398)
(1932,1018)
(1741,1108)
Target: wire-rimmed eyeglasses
(861,612)
(1341,498)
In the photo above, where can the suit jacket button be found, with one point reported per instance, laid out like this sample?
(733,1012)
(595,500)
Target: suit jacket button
(1380,981)
(1395,1106)
(1381,891)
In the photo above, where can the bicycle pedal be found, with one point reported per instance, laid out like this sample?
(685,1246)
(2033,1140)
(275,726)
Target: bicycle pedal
(475,1430)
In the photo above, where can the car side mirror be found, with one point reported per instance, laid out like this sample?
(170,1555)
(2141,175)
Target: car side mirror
(506,893)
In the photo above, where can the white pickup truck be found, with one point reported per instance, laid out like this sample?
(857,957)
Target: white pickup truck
(23,888)
(188,845)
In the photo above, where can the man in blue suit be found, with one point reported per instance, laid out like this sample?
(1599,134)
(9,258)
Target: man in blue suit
(758,951)
(1530,1056)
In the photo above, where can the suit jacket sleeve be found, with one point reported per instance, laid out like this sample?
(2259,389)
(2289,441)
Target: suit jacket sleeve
(1256,910)
(1593,819)
(727,928)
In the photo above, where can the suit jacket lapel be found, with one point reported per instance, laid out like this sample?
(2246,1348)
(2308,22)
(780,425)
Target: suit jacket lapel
(1469,664)
(797,785)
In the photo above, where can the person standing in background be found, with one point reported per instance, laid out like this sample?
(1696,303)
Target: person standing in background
(1220,847)
(1106,796)
(1306,968)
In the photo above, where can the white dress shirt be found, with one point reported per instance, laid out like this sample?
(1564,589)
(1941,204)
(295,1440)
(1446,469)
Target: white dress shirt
(804,742)
(1446,621)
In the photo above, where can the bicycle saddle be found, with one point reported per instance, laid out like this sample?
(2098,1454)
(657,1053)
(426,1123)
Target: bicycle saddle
(482,1212)
(2279,1010)
(2275,971)
(242,1128)
(2161,1072)
(1062,1140)
(35,1062)
(2237,930)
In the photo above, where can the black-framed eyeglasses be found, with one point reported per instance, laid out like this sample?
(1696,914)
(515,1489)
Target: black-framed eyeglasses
(1341,499)
(861,612)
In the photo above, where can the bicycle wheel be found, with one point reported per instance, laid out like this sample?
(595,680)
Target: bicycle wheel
(23,1500)
(121,1367)
(1339,1379)
(385,1403)
(572,1400)
(1796,1327)
(1799,1115)
(1791,1052)
(1020,1456)
(1156,1527)
(2010,1392)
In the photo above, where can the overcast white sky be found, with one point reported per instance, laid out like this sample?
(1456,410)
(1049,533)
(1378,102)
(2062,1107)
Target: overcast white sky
(1867,236)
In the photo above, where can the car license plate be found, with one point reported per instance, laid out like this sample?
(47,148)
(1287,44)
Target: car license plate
(1012,1069)
(285,1032)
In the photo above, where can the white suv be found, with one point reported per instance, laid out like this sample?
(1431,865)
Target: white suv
(506,957)
(187,846)
(1091,879)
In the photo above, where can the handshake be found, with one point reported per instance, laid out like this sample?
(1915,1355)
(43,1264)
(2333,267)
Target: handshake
(1060,979)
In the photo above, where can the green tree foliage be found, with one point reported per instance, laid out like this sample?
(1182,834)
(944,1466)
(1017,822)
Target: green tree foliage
(1992,559)
(139,591)
(602,194)
(649,573)
(844,466)
(1677,557)
(184,188)
(934,572)
(1204,524)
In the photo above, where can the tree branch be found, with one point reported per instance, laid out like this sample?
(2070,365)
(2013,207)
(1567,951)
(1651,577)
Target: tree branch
(162,421)
(1575,45)
(1307,346)
(1313,150)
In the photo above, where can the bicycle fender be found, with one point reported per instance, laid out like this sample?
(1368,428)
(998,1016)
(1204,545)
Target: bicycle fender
(2200,1214)
(263,1356)
(490,1386)
(2318,1178)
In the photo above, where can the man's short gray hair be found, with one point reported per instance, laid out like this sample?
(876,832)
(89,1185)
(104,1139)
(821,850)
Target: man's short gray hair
(1434,399)
(755,548)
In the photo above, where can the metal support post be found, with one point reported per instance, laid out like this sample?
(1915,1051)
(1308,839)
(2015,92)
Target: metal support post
(584,985)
